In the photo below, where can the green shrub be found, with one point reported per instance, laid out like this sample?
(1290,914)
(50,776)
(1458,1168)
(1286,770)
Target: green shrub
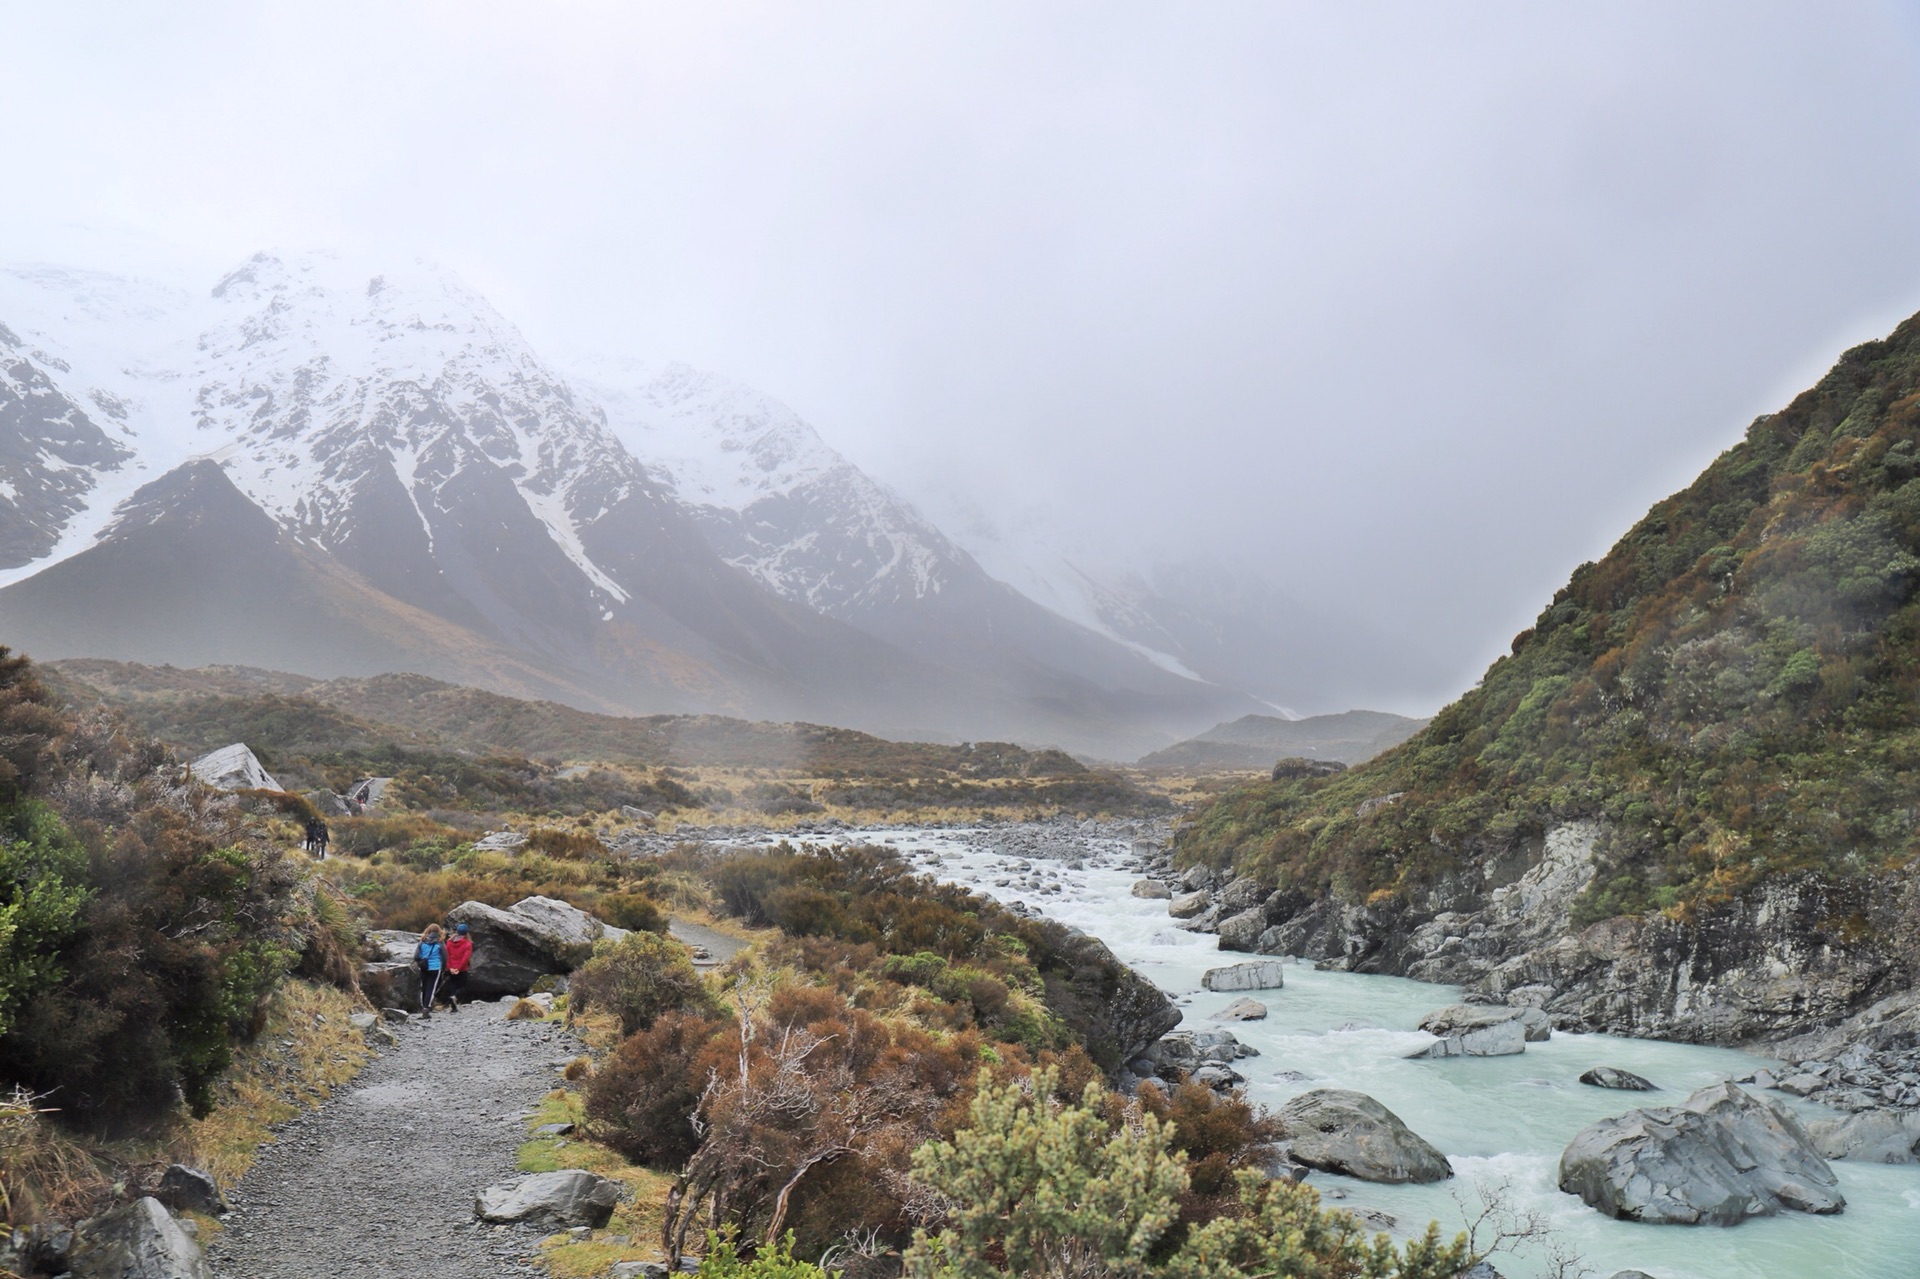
(43,888)
(637,979)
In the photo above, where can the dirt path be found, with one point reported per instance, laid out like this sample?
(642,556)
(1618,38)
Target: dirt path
(718,944)
(381,1179)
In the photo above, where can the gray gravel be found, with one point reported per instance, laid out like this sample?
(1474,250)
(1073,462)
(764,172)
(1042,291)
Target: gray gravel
(381,1179)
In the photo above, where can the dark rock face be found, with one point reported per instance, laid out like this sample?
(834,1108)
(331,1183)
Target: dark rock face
(138,1241)
(1124,1012)
(1349,1132)
(1610,1077)
(1720,1157)
(1769,962)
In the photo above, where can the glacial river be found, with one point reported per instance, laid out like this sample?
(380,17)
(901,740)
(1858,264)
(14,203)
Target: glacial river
(1499,1119)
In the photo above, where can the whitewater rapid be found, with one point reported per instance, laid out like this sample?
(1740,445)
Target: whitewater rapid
(1499,1119)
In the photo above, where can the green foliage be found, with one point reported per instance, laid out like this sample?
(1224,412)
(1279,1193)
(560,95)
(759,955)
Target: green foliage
(638,978)
(1038,1187)
(1735,688)
(43,889)
(722,1261)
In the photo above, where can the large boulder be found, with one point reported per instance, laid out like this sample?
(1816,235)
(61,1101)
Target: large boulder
(233,768)
(1152,890)
(571,1197)
(1188,905)
(1242,931)
(1120,1011)
(1483,1030)
(1261,974)
(534,938)
(1871,1136)
(1335,1130)
(140,1240)
(1721,1156)
(1242,1009)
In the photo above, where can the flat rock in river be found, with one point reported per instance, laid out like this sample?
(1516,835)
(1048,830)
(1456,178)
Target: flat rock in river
(1261,974)
(1188,905)
(1336,1130)
(1242,1009)
(1721,1156)
(1613,1077)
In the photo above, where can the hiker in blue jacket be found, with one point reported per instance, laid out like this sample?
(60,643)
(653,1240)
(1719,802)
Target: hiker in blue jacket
(430,957)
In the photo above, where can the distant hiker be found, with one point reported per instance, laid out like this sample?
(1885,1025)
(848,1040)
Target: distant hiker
(430,957)
(321,836)
(459,961)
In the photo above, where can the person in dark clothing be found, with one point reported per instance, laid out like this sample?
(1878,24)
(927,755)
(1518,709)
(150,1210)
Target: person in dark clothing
(320,835)
(459,961)
(430,957)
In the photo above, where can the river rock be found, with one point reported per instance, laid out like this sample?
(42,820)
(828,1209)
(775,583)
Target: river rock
(39,1249)
(140,1240)
(571,1197)
(1187,905)
(1196,878)
(1721,1157)
(1242,1009)
(1219,1078)
(1871,1136)
(1184,1052)
(1242,931)
(1152,890)
(1260,974)
(185,1189)
(1336,1130)
(1481,1030)
(1613,1077)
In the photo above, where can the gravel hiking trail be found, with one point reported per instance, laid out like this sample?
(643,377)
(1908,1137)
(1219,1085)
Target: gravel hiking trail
(380,1180)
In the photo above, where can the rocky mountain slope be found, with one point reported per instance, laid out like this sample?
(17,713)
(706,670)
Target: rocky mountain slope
(1685,805)
(412,456)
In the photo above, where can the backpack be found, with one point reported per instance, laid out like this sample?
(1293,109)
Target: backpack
(430,955)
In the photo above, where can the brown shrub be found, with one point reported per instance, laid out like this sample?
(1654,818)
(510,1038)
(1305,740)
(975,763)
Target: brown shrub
(642,1099)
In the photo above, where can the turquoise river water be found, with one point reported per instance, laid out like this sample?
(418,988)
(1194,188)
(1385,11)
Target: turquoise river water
(1499,1119)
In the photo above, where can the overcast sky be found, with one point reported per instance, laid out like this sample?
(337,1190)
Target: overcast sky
(1416,306)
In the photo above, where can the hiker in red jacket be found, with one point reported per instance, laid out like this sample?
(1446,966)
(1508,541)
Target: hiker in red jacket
(459,961)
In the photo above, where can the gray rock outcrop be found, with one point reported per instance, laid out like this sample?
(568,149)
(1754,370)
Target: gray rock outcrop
(1720,1157)
(571,1197)
(1123,1011)
(1186,1052)
(233,767)
(1336,1130)
(1612,1077)
(1260,974)
(140,1240)
(1242,931)
(1871,1136)
(1152,890)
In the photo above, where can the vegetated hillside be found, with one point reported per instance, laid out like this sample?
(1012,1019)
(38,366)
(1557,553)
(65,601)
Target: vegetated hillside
(1731,693)
(1256,741)
(440,738)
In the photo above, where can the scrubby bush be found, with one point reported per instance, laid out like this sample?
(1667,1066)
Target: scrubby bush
(1037,1187)
(43,889)
(635,911)
(637,979)
(642,1099)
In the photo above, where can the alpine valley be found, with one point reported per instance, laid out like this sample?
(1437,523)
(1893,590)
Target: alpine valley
(314,468)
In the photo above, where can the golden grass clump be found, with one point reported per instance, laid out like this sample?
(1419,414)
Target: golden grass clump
(578,1069)
(43,1171)
(526,1010)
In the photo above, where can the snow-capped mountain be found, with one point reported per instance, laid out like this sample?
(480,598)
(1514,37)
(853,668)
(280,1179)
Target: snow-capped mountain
(415,458)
